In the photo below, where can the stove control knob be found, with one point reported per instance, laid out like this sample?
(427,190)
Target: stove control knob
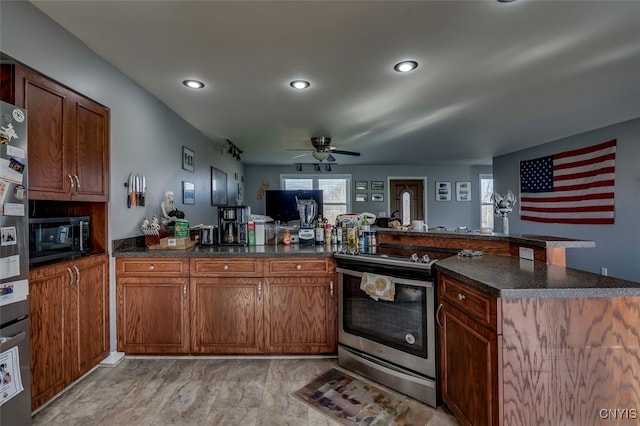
(426,259)
(414,257)
(410,338)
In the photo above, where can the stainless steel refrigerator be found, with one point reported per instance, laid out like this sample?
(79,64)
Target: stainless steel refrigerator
(15,377)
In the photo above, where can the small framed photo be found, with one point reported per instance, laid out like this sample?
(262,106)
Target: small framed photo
(188,193)
(463,191)
(362,185)
(377,185)
(443,191)
(188,159)
(362,197)
(377,197)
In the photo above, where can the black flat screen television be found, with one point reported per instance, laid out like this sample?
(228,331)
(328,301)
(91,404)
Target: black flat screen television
(281,204)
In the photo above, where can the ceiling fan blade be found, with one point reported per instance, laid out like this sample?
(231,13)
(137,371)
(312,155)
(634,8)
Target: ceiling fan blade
(339,151)
(300,155)
(331,158)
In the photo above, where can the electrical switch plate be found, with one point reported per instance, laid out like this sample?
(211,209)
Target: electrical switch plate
(603,271)
(526,253)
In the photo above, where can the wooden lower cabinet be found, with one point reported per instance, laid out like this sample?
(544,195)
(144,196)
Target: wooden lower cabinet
(227,315)
(69,312)
(300,315)
(468,367)
(152,306)
(232,306)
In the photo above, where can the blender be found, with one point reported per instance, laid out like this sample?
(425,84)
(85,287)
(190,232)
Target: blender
(307,210)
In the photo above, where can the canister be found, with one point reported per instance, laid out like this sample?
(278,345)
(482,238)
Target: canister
(181,228)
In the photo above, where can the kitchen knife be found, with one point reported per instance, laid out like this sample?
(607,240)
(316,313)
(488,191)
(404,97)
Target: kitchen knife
(133,191)
(138,189)
(129,190)
(143,189)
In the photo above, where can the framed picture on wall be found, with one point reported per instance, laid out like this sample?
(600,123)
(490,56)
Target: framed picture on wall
(377,185)
(188,193)
(218,187)
(443,191)
(362,185)
(188,159)
(377,197)
(362,197)
(463,191)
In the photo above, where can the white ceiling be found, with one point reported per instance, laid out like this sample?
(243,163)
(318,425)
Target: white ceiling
(493,77)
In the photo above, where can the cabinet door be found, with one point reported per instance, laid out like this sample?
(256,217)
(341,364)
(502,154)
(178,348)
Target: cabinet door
(49,294)
(300,315)
(50,125)
(227,315)
(468,384)
(91,325)
(152,315)
(91,160)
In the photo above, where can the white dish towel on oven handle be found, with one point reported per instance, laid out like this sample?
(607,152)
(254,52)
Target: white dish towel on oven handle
(378,286)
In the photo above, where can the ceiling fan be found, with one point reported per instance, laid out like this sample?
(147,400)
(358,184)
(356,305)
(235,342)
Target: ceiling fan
(323,150)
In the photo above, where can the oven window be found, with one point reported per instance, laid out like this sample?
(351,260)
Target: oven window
(400,324)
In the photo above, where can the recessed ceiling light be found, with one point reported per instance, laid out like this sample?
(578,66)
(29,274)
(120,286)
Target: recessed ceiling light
(406,66)
(193,84)
(300,84)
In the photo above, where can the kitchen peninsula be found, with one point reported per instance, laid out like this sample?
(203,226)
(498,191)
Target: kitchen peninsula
(550,344)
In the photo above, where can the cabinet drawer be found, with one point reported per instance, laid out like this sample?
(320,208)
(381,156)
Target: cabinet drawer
(152,267)
(246,267)
(476,304)
(299,266)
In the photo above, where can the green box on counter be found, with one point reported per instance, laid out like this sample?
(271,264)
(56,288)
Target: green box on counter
(181,228)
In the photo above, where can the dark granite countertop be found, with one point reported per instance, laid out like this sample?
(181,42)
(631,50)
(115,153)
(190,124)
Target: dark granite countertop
(528,239)
(229,251)
(512,277)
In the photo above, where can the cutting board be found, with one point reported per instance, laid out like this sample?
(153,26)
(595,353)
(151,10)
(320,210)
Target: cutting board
(188,245)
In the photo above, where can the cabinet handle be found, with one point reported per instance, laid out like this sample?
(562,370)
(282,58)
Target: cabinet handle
(70,277)
(72,185)
(260,290)
(438,316)
(225,267)
(151,267)
(461,297)
(77,274)
(184,290)
(298,267)
(77,184)
(331,288)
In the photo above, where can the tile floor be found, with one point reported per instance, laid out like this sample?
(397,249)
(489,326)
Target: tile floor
(196,391)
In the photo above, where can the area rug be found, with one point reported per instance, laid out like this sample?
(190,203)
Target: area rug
(351,401)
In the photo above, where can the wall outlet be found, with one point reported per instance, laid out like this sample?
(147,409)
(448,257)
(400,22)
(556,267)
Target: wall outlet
(526,253)
(603,271)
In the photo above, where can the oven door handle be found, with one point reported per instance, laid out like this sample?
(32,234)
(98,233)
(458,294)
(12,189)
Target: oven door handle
(426,284)
(438,315)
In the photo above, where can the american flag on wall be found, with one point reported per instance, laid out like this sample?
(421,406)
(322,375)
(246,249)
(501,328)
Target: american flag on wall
(570,187)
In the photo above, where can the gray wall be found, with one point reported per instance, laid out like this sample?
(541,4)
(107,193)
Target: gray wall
(450,214)
(618,245)
(146,136)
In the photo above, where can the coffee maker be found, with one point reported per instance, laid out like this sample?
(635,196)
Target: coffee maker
(307,210)
(232,225)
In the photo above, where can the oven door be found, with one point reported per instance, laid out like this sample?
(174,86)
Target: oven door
(401,331)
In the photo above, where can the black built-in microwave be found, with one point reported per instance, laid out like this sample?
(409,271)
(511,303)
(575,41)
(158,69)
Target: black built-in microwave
(54,238)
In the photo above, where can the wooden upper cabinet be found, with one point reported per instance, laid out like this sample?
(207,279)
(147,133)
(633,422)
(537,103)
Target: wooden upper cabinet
(68,137)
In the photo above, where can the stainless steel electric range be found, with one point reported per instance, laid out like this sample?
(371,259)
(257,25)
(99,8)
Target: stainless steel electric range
(389,341)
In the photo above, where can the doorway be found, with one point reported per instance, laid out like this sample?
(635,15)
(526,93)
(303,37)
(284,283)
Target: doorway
(407,197)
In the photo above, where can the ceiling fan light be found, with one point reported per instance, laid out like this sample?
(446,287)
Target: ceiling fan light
(300,84)
(406,66)
(320,156)
(193,84)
